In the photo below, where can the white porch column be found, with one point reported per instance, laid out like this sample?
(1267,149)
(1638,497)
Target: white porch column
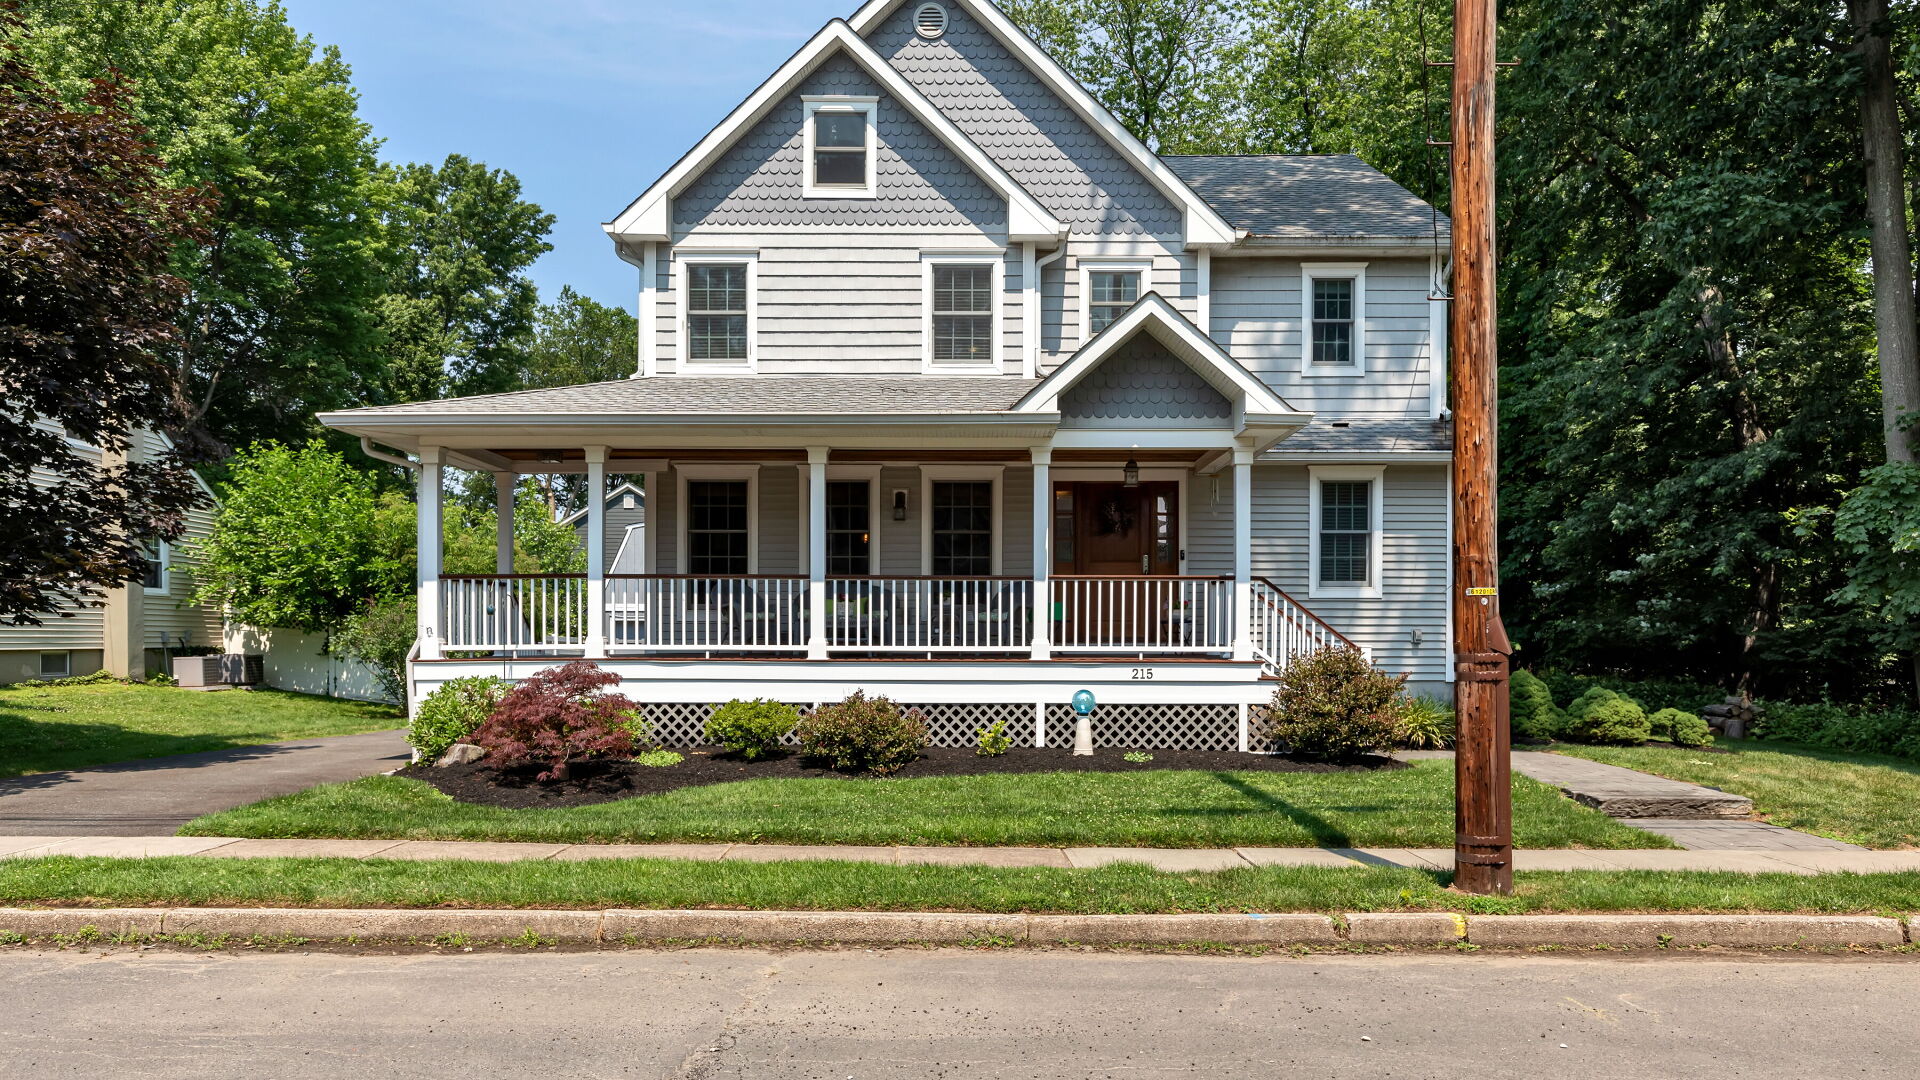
(1242,554)
(426,518)
(596,643)
(1042,552)
(817,552)
(503,489)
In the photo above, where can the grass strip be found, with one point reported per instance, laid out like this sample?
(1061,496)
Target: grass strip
(1172,809)
(1865,799)
(50,728)
(848,886)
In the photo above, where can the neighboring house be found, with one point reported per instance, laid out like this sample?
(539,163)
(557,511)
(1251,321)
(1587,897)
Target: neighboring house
(623,530)
(129,635)
(950,390)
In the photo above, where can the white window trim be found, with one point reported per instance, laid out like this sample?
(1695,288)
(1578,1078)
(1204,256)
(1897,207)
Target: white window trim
(928,260)
(1311,272)
(750,472)
(831,103)
(1375,476)
(975,473)
(163,554)
(1087,267)
(682,312)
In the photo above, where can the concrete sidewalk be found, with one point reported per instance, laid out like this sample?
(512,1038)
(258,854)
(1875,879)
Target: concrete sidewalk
(1177,860)
(155,796)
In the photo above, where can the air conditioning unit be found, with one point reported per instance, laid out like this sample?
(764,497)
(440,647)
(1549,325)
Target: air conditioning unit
(227,669)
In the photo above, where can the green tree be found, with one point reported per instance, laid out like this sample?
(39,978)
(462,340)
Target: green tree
(303,540)
(459,304)
(578,340)
(541,544)
(279,322)
(88,227)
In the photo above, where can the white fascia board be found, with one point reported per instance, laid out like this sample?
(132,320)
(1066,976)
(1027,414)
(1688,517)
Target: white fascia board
(1169,327)
(649,217)
(1203,224)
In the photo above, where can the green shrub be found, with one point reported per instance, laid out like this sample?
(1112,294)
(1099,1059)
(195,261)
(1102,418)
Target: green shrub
(658,759)
(752,729)
(452,713)
(381,635)
(1605,718)
(993,739)
(1680,727)
(1532,709)
(1332,704)
(864,734)
(1836,727)
(1649,693)
(1427,725)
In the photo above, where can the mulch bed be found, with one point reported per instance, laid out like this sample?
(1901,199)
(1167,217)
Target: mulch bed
(606,781)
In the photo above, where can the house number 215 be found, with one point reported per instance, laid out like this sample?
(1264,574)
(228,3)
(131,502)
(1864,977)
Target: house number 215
(1143,674)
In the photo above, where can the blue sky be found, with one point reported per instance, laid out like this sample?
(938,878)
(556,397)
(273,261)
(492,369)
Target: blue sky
(586,101)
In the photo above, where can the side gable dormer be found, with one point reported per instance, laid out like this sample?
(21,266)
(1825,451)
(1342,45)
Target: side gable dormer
(650,217)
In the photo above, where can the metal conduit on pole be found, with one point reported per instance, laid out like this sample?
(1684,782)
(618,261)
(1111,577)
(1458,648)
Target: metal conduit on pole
(1483,801)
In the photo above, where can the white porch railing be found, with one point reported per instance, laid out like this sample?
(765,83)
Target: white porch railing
(1282,629)
(487,612)
(930,614)
(675,612)
(1141,614)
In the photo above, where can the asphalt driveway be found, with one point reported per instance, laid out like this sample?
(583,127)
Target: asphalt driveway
(155,796)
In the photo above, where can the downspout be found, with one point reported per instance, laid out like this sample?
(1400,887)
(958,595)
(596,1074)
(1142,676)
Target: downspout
(1032,366)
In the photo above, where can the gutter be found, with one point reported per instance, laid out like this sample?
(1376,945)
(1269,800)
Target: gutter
(366,447)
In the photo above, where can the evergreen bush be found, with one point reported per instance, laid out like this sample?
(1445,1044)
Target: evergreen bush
(752,729)
(1534,715)
(1605,718)
(864,734)
(452,713)
(1332,704)
(1680,727)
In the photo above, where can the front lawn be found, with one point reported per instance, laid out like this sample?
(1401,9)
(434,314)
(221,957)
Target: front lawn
(49,728)
(1862,799)
(1410,807)
(844,886)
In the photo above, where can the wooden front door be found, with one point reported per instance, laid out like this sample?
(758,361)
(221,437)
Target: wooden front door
(1109,530)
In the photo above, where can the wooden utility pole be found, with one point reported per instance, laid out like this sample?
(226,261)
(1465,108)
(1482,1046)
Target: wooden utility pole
(1483,800)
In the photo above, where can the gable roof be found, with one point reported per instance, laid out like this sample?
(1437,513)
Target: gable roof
(627,488)
(1153,315)
(1203,225)
(1298,196)
(650,216)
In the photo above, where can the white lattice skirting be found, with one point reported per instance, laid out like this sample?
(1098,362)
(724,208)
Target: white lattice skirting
(1147,727)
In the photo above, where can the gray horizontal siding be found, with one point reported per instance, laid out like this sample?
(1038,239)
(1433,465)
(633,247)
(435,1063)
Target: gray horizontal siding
(1258,316)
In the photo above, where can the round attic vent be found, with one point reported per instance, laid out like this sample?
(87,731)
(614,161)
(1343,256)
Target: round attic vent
(930,20)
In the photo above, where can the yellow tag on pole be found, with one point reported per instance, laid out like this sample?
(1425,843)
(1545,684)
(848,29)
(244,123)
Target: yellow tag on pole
(1483,592)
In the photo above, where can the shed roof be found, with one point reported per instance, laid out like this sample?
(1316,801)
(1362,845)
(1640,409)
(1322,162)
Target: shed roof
(1306,195)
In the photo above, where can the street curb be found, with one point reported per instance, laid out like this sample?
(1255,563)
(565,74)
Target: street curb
(955,928)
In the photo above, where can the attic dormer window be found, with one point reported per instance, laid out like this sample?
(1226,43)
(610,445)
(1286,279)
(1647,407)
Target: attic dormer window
(839,144)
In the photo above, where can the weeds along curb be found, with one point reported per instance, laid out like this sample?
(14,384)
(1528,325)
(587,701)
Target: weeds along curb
(942,928)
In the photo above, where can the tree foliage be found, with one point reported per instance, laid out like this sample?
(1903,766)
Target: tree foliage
(88,226)
(577,340)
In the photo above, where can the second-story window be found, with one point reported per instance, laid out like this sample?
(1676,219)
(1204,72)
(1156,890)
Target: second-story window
(963,314)
(1334,299)
(1110,292)
(717,311)
(1333,320)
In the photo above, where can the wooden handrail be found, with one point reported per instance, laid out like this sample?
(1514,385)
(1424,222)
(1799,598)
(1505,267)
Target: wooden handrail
(1305,610)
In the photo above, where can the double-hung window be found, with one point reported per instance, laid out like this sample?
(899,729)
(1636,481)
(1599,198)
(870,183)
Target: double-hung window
(717,527)
(839,142)
(1346,539)
(962,527)
(159,556)
(1334,299)
(961,307)
(719,295)
(1108,289)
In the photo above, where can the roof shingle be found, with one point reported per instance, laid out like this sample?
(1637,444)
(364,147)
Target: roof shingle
(1299,196)
(669,395)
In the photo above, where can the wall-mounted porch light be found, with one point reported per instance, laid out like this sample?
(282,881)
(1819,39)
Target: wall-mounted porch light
(1130,474)
(899,504)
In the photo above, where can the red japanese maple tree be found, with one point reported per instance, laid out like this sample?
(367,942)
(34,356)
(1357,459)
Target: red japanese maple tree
(558,715)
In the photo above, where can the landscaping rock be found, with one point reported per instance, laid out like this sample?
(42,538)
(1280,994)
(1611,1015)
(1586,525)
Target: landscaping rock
(460,753)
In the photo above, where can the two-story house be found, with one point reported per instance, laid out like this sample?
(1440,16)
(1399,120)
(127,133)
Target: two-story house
(949,389)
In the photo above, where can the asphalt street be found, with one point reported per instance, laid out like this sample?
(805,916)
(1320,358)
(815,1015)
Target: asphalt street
(911,1013)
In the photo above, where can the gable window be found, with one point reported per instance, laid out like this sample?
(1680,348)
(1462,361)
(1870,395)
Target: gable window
(717,319)
(1109,288)
(962,309)
(839,143)
(1334,302)
(849,528)
(1346,531)
(962,525)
